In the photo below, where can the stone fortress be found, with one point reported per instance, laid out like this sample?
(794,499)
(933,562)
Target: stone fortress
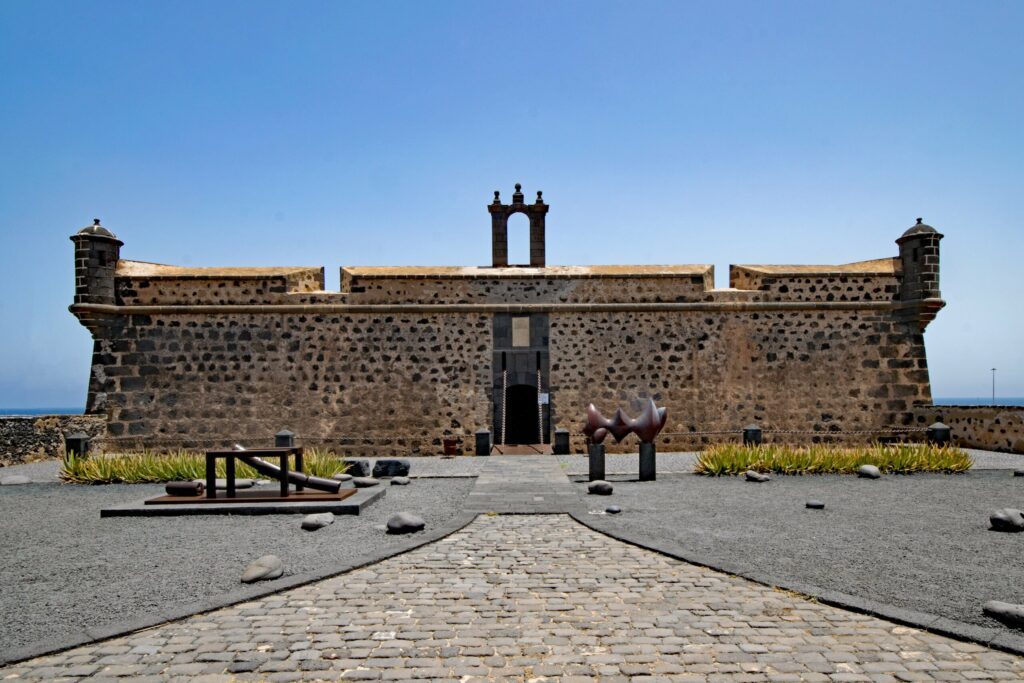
(402,357)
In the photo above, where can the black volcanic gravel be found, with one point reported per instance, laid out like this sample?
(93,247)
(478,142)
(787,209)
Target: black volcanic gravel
(64,569)
(918,542)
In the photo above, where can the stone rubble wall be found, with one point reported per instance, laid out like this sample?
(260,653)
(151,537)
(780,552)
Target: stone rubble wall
(993,428)
(397,383)
(364,384)
(825,375)
(41,437)
(817,286)
(202,290)
(631,289)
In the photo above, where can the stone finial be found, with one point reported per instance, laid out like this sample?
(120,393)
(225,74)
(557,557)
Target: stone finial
(540,197)
(920,220)
(517,197)
(497,197)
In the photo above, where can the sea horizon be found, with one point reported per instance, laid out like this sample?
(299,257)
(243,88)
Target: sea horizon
(942,401)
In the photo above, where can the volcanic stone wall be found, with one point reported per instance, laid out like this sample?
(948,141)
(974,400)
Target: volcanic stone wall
(995,428)
(146,291)
(396,382)
(40,437)
(401,358)
(817,375)
(525,288)
(807,285)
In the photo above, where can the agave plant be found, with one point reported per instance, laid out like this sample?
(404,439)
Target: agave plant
(901,458)
(148,467)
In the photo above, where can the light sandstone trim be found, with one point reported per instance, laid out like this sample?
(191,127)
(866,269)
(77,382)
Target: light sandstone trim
(677,307)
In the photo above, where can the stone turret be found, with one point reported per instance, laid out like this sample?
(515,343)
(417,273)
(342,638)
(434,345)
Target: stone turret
(96,253)
(919,286)
(919,255)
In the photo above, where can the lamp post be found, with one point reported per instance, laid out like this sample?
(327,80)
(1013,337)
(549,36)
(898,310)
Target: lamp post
(993,386)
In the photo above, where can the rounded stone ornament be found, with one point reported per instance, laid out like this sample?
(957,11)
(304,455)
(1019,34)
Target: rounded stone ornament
(317,521)
(342,477)
(600,488)
(1006,612)
(1008,519)
(400,481)
(751,475)
(405,523)
(815,505)
(364,482)
(613,509)
(869,472)
(266,567)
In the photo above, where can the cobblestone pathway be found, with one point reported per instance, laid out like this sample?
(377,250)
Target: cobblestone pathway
(530,597)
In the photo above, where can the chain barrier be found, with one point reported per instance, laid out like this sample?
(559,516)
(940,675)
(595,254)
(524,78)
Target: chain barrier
(504,400)
(392,438)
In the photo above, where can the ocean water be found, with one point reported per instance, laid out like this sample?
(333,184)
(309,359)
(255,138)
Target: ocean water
(42,411)
(982,401)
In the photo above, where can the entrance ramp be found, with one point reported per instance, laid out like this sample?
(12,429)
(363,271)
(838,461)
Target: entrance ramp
(522,484)
(522,449)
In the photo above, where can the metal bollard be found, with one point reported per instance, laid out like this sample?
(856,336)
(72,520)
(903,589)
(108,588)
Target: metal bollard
(483,442)
(647,462)
(752,435)
(76,444)
(561,442)
(595,454)
(939,434)
(284,439)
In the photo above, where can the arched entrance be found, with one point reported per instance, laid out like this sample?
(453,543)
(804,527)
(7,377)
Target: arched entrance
(522,425)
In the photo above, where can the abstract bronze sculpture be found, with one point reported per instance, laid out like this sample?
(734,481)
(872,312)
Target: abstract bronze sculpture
(651,421)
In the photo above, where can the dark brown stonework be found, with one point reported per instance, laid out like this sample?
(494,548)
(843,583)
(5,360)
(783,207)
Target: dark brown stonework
(402,357)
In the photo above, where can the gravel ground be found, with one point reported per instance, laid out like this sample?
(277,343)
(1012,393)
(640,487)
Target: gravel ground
(919,542)
(64,568)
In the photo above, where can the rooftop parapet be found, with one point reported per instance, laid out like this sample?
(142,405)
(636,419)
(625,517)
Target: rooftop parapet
(875,280)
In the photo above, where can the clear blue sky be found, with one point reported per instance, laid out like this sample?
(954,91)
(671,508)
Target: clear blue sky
(342,133)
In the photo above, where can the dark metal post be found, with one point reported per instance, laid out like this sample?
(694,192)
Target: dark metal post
(299,464)
(595,452)
(939,434)
(231,476)
(561,442)
(752,435)
(648,469)
(483,442)
(211,475)
(77,444)
(284,475)
(284,439)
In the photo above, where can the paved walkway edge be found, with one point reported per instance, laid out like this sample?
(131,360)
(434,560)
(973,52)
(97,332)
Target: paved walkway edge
(989,637)
(235,597)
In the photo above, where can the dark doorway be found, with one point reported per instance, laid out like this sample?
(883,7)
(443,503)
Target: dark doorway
(521,421)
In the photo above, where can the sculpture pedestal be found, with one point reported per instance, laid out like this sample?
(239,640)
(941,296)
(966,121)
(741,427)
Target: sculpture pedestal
(595,451)
(647,462)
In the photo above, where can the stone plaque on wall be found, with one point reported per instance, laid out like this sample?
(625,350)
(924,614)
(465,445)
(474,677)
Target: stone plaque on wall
(521,330)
